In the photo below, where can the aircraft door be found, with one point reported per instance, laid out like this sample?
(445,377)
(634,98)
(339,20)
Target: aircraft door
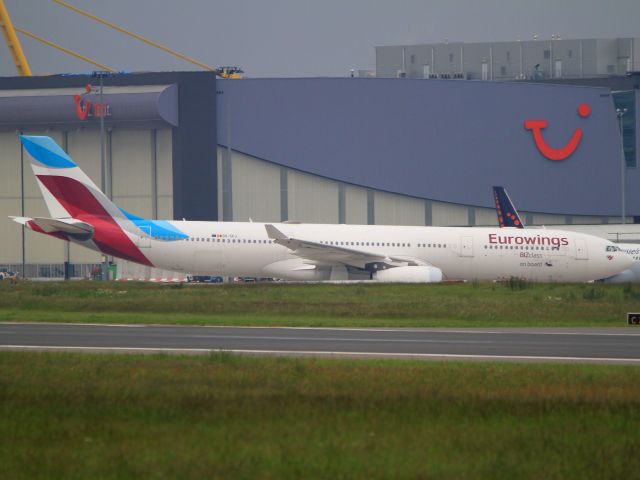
(581,250)
(466,246)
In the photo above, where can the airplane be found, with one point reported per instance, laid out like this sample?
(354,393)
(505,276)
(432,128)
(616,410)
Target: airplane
(82,214)
(508,217)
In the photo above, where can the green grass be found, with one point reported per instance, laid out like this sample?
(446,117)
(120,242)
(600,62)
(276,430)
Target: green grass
(225,416)
(439,305)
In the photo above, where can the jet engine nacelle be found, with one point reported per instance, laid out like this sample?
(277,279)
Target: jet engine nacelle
(295,269)
(415,274)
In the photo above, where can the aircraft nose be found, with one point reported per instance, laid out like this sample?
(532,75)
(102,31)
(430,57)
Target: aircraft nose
(625,259)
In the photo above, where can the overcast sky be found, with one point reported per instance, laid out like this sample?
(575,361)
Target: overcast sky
(301,38)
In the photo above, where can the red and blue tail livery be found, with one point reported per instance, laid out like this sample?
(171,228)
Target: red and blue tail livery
(81,213)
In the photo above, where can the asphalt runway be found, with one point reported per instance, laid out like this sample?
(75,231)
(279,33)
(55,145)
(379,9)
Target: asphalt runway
(612,345)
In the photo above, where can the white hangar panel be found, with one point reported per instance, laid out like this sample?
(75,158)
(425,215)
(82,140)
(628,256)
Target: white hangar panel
(10,197)
(546,219)
(390,209)
(41,248)
(79,254)
(131,171)
(355,199)
(164,176)
(11,231)
(449,215)
(586,220)
(486,217)
(10,165)
(83,146)
(255,189)
(312,199)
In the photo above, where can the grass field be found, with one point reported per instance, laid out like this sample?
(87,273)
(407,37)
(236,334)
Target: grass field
(439,305)
(225,416)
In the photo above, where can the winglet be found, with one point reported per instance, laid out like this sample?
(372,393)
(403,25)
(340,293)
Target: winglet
(274,234)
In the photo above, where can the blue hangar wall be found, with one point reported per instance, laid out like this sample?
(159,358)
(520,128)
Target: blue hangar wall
(435,139)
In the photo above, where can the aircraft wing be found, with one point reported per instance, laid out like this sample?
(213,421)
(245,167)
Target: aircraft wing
(334,254)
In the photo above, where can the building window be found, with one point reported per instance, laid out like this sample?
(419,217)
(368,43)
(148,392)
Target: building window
(451,58)
(503,71)
(621,101)
(610,69)
(570,53)
(508,57)
(547,54)
(412,58)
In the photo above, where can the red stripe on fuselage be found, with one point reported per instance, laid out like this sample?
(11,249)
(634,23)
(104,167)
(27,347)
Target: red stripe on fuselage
(82,205)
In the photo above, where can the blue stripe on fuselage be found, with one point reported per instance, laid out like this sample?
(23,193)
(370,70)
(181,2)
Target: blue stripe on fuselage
(158,229)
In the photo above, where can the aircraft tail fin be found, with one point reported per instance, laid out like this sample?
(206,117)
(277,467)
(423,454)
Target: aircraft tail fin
(67,190)
(78,208)
(507,214)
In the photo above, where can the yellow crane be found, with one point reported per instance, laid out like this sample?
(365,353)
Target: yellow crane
(13,43)
(63,49)
(223,72)
(20,61)
(229,72)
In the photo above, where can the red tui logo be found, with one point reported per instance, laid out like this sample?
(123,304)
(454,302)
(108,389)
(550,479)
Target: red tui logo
(556,154)
(85,109)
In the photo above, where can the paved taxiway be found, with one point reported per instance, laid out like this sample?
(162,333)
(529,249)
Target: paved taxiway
(614,345)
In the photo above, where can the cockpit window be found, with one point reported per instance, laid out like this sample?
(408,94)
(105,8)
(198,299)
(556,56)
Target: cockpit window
(612,248)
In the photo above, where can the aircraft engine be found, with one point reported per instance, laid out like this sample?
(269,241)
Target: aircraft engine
(295,269)
(413,274)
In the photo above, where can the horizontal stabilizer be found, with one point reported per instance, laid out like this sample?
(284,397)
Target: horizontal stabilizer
(70,226)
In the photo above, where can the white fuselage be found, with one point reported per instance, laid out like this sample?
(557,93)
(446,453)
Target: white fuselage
(631,274)
(244,249)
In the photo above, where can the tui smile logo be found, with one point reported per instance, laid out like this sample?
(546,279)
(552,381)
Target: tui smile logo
(85,108)
(556,154)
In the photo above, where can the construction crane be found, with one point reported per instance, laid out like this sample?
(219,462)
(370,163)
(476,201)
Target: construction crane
(22,66)
(222,72)
(63,49)
(10,37)
(229,72)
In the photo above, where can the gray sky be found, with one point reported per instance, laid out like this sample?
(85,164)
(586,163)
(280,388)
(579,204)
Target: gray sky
(299,38)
